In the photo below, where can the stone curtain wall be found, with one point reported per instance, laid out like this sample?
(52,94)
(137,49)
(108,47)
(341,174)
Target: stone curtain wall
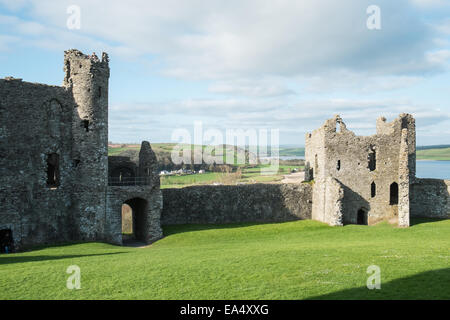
(430,198)
(235,204)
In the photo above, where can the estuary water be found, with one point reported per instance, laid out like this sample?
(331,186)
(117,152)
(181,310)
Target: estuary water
(433,169)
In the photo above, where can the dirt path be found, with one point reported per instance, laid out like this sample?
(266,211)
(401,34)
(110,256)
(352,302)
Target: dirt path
(296,177)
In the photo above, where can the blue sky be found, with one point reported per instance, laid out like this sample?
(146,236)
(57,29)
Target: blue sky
(286,65)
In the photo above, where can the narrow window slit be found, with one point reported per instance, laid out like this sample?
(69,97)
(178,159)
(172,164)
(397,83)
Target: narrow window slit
(393,193)
(372,157)
(373,189)
(53,170)
(86,125)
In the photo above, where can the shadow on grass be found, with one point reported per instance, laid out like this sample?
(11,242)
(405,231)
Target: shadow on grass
(417,221)
(182,228)
(430,285)
(10,259)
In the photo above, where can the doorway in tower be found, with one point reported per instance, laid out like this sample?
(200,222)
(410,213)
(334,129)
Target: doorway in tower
(362,217)
(134,220)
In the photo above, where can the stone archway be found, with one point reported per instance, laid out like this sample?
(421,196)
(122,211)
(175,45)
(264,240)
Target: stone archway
(139,223)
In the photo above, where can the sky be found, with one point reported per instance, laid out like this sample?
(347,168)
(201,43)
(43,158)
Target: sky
(247,64)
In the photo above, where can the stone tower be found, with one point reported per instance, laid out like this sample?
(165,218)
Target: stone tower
(362,179)
(87,78)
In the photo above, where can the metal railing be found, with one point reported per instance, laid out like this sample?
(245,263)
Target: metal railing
(128,181)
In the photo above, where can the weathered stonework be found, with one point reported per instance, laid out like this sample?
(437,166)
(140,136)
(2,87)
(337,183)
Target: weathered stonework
(430,198)
(54,164)
(374,172)
(334,191)
(233,204)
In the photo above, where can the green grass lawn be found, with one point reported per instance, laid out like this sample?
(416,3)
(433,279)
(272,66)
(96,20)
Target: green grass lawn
(295,260)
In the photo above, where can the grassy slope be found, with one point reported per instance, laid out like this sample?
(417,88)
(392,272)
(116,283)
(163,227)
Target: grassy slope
(249,175)
(160,148)
(295,260)
(434,154)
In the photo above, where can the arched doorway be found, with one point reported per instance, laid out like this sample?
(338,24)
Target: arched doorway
(362,217)
(134,220)
(127,222)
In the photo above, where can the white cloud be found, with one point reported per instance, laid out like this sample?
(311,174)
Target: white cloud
(6,42)
(294,118)
(252,88)
(439,57)
(361,83)
(253,53)
(235,39)
(444,27)
(430,3)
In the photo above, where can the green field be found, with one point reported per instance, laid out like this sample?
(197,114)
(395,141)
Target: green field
(248,175)
(434,154)
(289,152)
(295,260)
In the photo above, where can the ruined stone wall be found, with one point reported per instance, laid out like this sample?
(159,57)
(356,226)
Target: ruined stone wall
(366,166)
(143,195)
(334,193)
(315,170)
(66,127)
(404,181)
(36,120)
(121,165)
(430,198)
(234,204)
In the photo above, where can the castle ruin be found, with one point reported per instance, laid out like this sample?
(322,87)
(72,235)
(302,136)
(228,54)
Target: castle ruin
(358,179)
(55,185)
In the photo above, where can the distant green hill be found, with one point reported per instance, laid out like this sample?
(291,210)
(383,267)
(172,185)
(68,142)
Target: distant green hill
(438,146)
(162,150)
(433,154)
(290,152)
